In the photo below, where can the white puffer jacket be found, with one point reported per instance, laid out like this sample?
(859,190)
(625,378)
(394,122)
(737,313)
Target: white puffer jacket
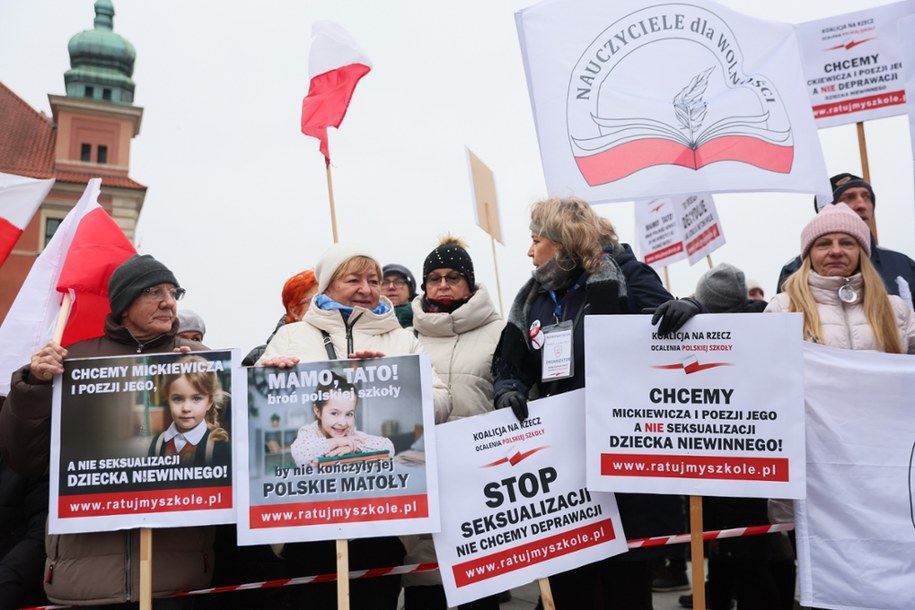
(461,344)
(844,324)
(370,332)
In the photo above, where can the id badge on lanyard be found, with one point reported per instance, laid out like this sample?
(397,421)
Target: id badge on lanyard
(556,354)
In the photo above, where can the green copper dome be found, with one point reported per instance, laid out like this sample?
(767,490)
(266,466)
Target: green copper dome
(101,62)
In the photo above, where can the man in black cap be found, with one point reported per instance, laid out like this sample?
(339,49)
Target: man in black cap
(896,269)
(143,295)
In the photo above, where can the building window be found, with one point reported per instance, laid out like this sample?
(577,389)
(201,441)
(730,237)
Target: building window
(106,93)
(90,92)
(102,154)
(85,152)
(50,227)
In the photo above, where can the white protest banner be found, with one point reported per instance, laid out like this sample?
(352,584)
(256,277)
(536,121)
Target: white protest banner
(853,64)
(633,101)
(673,228)
(905,26)
(139,441)
(514,503)
(336,450)
(698,411)
(856,529)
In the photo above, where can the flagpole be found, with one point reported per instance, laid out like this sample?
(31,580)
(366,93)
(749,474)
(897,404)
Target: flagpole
(62,316)
(866,170)
(330,197)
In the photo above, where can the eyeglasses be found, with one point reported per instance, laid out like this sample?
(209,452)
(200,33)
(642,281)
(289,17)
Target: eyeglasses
(158,293)
(452,278)
(397,283)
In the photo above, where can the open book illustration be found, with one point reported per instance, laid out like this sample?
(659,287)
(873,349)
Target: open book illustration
(363,456)
(629,144)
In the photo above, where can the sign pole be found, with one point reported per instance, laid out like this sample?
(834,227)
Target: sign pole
(696,552)
(146,568)
(546,594)
(490,221)
(865,169)
(342,575)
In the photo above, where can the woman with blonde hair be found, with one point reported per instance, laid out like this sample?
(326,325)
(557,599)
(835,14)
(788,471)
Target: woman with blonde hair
(582,269)
(843,299)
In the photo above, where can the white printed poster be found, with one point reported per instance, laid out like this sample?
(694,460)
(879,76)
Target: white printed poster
(674,228)
(905,26)
(714,409)
(514,503)
(635,101)
(335,450)
(143,441)
(853,64)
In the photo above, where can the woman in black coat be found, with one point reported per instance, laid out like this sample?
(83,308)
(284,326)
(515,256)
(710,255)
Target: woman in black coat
(577,272)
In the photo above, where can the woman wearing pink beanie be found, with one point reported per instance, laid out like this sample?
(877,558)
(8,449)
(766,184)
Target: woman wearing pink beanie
(844,301)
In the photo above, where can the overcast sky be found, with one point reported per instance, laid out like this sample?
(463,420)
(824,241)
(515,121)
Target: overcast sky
(237,198)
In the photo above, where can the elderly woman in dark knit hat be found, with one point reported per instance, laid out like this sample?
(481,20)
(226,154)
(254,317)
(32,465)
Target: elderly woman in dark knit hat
(458,325)
(95,568)
(843,299)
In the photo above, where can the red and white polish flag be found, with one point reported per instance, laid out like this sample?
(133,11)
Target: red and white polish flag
(79,259)
(19,198)
(335,65)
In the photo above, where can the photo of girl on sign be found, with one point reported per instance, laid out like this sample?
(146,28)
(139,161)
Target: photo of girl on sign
(194,402)
(332,438)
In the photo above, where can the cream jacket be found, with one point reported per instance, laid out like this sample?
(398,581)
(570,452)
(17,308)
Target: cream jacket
(844,324)
(461,344)
(369,331)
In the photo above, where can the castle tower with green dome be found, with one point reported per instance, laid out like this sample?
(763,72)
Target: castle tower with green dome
(101,61)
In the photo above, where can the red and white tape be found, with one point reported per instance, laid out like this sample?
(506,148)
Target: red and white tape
(737,532)
(415,568)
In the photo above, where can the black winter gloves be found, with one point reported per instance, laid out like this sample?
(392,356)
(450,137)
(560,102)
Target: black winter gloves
(674,314)
(514,400)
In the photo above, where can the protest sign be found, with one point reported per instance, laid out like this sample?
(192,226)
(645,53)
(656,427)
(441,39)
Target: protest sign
(853,64)
(673,228)
(856,529)
(714,409)
(633,101)
(334,450)
(514,503)
(905,26)
(142,441)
